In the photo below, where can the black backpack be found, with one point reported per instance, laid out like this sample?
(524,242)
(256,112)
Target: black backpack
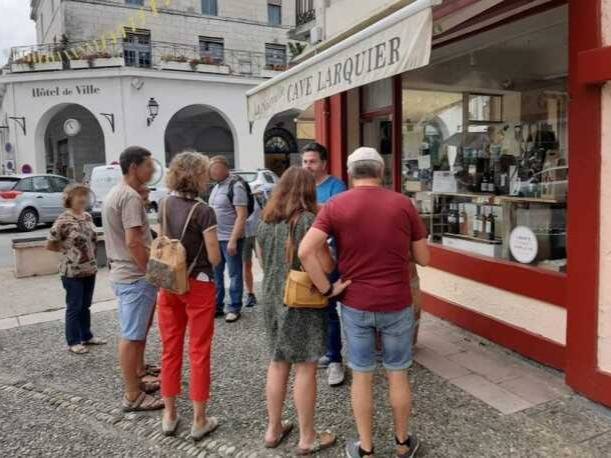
(230,193)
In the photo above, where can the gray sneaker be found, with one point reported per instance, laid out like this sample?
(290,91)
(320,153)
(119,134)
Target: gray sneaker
(354,450)
(336,374)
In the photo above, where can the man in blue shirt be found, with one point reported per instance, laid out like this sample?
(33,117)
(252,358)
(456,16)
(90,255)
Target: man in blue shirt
(315,159)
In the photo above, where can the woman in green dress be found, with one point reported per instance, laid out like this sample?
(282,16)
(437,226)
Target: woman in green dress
(296,336)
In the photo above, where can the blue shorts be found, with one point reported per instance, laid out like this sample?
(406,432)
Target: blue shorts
(136,303)
(396,330)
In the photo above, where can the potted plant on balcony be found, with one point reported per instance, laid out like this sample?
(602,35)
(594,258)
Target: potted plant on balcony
(78,60)
(272,70)
(175,62)
(209,64)
(104,59)
(23,64)
(36,61)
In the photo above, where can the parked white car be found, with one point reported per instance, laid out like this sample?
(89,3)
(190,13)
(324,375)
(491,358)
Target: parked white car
(258,179)
(104,178)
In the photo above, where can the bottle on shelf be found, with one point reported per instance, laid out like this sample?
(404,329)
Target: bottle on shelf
(491,184)
(463,220)
(477,223)
(453,219)
(491,224)
(484,183)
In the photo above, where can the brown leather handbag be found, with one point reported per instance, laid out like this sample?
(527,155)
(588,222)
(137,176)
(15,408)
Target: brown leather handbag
(299,291)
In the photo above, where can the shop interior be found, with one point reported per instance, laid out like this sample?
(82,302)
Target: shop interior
(484,140)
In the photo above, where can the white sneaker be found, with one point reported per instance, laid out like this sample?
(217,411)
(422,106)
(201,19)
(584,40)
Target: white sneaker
(232,317)
(336,374)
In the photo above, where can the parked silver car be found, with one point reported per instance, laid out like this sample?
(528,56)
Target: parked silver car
(27,200)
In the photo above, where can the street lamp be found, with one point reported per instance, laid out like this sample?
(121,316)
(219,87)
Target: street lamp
(153,109)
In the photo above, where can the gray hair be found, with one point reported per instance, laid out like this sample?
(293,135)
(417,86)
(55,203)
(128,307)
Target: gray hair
(360,170)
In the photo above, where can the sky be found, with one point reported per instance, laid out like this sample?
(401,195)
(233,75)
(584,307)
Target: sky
(16,28)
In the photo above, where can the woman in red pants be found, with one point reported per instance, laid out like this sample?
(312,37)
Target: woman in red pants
(185,217)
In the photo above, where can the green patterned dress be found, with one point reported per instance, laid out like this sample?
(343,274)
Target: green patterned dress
(294,335)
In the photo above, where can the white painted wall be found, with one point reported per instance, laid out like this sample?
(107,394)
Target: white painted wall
(242,23)
(604,310)
(117,94)
(534,316)
(337,21)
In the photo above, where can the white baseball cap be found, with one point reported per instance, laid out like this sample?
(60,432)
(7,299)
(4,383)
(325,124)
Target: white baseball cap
(365,153)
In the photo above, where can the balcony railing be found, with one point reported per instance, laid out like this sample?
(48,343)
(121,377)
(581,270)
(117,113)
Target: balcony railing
(306,12)
(156,55)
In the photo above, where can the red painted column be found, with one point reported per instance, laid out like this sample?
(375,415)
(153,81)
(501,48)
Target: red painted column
(321,121)
(337,136)
(583,209)
(330,122)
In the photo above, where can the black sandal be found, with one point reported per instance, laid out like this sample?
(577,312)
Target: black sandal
(413,445)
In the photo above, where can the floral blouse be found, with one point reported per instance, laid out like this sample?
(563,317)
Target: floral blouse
(77,241)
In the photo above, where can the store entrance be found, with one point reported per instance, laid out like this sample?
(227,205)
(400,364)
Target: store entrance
(377,133)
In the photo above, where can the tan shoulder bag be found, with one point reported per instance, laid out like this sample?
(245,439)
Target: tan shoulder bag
(299,291)
(167,266)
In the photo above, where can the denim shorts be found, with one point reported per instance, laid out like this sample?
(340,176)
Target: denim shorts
(396,330)
(136,304)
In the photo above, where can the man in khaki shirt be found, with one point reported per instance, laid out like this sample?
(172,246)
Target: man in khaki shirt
(128,239)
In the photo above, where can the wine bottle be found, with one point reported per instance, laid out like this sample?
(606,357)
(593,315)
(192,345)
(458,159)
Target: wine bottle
(490,224)
(491,185)
(476,223)
(484,183)
(462,220)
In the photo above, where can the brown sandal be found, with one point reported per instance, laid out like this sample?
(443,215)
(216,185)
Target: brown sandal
(149,387)
(287,427)
(323,441)
(152,369)
(143,403)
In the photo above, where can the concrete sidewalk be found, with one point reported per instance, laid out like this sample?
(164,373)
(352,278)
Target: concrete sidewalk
(26,296)
(471,398)
(34,295)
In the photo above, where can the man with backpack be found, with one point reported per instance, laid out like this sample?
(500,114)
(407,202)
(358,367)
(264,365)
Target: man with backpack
(232,202)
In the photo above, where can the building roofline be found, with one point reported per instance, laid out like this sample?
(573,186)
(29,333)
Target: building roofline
(119,72)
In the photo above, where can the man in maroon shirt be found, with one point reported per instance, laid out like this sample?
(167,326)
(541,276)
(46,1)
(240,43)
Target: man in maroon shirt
(378,232)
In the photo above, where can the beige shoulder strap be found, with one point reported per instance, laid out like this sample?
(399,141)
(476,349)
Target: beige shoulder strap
(189,217)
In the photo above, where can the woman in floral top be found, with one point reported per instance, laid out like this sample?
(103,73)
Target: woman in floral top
(74,236)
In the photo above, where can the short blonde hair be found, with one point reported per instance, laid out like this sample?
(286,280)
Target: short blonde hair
(186,172)
(72,190)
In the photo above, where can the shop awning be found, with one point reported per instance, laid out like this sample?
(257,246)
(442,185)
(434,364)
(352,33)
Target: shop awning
(393,45)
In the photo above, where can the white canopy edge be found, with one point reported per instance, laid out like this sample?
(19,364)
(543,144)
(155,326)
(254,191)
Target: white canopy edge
(380,26)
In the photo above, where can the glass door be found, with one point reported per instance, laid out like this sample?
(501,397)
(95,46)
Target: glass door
(377,132)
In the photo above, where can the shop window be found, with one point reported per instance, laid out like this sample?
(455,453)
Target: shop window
(274,12)
(488,166)
(137,48)
(275,57)
(210,7)
(212,50)
(377,96)
(376,100)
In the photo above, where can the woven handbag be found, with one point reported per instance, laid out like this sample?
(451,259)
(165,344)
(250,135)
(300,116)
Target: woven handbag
(167,266)
(299,291)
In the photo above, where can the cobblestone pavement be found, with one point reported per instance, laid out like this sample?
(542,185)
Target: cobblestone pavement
(58,404)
